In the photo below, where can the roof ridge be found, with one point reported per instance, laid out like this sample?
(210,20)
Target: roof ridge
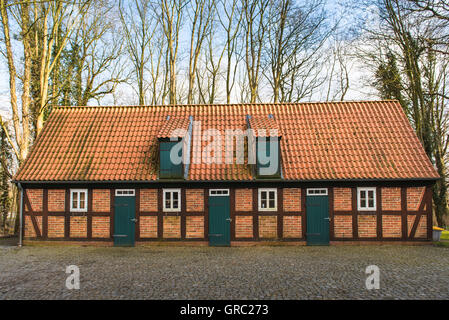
(231,104)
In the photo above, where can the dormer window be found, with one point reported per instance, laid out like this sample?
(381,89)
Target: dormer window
(267,138)
(268,157)
(169,167)
(173,147)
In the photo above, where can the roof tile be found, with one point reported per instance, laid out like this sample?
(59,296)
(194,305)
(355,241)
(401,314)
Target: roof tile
(338,140)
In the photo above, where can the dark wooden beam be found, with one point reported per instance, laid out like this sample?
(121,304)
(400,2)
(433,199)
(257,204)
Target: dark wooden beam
(355,223)
(379,213)
(404,213)
(45,214)
(255,214)
(280,212)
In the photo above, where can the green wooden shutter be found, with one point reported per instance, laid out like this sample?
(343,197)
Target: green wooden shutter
(166,168)
(259,165)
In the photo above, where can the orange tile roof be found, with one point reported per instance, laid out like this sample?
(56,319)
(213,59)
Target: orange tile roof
(320,141)
(171,125)
(264,125)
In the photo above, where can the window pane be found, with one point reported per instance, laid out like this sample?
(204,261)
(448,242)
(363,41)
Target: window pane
(75,200)
(363,194)
(168,200)
(175,195)
(82,200)
(371,195)
(371,203)
(271,204)
(363,203)
(272,195)
(263,195)
(175,204)
(263,203)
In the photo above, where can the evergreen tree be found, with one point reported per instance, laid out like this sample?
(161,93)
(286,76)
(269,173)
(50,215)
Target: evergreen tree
(388,80)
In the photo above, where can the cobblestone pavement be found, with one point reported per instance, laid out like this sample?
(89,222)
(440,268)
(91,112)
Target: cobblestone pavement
(336,272)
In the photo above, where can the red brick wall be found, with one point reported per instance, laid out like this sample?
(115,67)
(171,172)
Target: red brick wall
(391,226)
(78,227)
(367,225)
(343,226)
(421,231)
(243,200)
(292,227)
(101,200)
(391,198)
(148,226)
(100,227)
(292,199)
(172,227)
(56,200)
(243,226)
(194,227)
(414,198)
(195,200)
(268,227)
(35,196)
(148,200)
(29,228)
(342,199)
(55,227)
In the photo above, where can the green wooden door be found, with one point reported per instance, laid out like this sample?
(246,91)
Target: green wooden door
(124,221)
(317,208)
(219,221)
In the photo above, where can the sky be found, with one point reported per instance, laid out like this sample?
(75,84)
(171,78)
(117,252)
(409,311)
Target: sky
(349,18)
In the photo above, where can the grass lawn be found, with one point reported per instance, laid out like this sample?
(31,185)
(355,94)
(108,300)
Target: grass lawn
(445,235)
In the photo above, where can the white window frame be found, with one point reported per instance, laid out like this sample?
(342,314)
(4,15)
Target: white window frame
(79,191)
(219,192)
(125,192)
(164,203)
(317,192)
(268,199)
(359,199)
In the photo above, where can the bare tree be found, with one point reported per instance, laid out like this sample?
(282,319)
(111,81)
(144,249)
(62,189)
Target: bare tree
(254,29)
(21,121)
(295,36)
(412,68)
(230,18)
(52,21)
(200,24)
(170,14)
(338,73)
(90,63)
(139,29)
